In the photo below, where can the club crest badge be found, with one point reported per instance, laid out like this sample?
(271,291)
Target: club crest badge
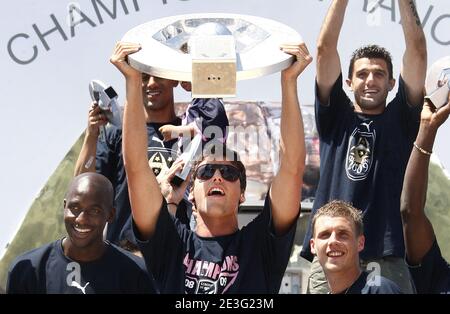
(360,152)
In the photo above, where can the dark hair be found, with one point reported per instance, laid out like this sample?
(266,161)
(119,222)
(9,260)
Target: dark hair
(338,208)
(371,52)
(219,151)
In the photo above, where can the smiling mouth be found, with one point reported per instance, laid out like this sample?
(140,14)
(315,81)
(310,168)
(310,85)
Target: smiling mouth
(370,92)
(153,93)
(81,230)
(335,254)
(216,192)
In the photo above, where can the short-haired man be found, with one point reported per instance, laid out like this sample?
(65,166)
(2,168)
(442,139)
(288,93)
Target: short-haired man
(216,257)
(365,143)
(337,240)
(104,154)
(82,262)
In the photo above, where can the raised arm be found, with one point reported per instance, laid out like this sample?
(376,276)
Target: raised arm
(285,192)
(144,191)
(414,65)
(86,158)
(417,229)
(327,62)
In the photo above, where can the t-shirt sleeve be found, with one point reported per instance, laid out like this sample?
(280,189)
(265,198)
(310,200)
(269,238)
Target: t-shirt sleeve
(183,210)
(108,152)
(21,278)
(407,114)
(328,115)
(432,273)
(163,252)
(385,286)
(27,273)
(275,250)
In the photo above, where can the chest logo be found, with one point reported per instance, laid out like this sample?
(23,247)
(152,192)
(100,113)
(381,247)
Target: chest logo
(360,152)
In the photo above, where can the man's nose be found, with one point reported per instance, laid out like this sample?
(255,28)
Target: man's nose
(217,176)
(370,78)
(151,81)
(333,238)
(81,217)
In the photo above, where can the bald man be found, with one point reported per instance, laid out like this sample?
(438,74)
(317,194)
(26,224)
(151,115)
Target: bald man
(82,262)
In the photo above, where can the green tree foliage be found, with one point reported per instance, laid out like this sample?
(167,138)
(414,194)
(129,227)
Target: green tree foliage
(438,207)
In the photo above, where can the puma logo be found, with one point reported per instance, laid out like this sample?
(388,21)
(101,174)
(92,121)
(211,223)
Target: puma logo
(367,125)
(156,139)
(78,286)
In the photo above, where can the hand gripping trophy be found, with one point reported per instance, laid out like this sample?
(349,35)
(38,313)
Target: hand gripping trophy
(210,52)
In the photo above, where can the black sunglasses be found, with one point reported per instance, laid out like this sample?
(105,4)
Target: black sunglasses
(228,172)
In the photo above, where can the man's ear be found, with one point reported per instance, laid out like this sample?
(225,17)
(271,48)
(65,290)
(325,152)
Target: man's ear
(349,83)
(391,84)
(361,241)
(191,196)
(174,83)
(312,245)
(187,86)
(111,215)
(242,198)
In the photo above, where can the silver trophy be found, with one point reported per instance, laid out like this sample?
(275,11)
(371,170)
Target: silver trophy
(211,50)
(437,83)
(106,97)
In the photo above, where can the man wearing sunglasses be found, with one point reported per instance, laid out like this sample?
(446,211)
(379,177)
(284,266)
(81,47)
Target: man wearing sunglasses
(216,257)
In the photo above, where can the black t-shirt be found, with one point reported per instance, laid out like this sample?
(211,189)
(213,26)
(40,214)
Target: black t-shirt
(251,260)
(372,285)
(48,270)
(433,273)
(109,162)
(362,161)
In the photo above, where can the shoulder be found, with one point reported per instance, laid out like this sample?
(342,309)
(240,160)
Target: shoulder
(113,133)
(33,258)
(338,103)
(431,256)
(388,286)
(125,258)
(401,95)
(381,285)
(28,271)
(337,90)
(112,129)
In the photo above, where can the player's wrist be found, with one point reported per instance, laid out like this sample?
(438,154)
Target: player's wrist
(92,134)
(427,129)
